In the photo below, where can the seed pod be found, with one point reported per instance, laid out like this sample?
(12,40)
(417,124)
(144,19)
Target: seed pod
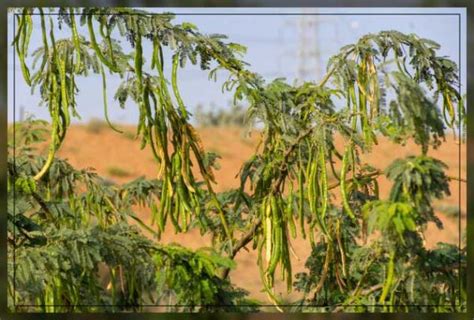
(28,32)
(269,231)
(55,139)
(174,82)
(318,191)
(312,186)
(343,185)
(289,212)
(182,194)
(448,106)
(341,247)
(76,41)
(62,78)
(175,217)
(389,279)
(185,166)
(333,169)
(20,43)
(108,30)
(95,46)
(163,206)
(324,181)
(45,42)
(354,108)
(277,240)
(301,202)
(314,191)
(183,213)
(286,262)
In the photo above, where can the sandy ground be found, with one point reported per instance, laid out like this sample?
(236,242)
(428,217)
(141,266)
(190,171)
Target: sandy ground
(107,150)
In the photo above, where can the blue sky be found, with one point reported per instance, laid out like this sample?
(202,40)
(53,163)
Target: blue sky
(273,43)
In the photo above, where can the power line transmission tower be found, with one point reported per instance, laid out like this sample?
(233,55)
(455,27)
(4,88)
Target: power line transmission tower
(309,55)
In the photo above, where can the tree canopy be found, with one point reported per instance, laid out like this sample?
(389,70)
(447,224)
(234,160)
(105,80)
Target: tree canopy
(386,84)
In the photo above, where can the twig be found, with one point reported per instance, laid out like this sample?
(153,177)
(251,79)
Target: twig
(42,204)
(457,179)
(368,175)
(242,243)
(325,272)
(288,152)
(364,292)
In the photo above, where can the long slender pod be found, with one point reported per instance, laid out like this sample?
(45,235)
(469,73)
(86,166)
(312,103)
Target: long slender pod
(174,83)
(21,42)
(104,95)
(95,45)
(324,181)
(343,184)
(389,279)
(76,40)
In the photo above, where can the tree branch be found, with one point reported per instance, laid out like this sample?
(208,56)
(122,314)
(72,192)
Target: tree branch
(283,166)
(363,292)
(457,179)
(247,237)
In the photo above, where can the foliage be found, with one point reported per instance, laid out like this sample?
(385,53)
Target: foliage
(417,180)
(192,277)
(67,236)
(388,83)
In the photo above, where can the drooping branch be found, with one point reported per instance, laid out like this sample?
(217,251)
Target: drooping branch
(247,237)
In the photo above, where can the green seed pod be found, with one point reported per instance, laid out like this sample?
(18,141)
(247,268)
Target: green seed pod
(45,43)
(343,185)
(183,213)
(301,201)
(324,182)
(289,213)
(389,279)
(76,40)
(174,82)
(104,94)
(183,196)
(175,217)
(276,248)
(64,99)
(268,230)
(20,43)
(95,46)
